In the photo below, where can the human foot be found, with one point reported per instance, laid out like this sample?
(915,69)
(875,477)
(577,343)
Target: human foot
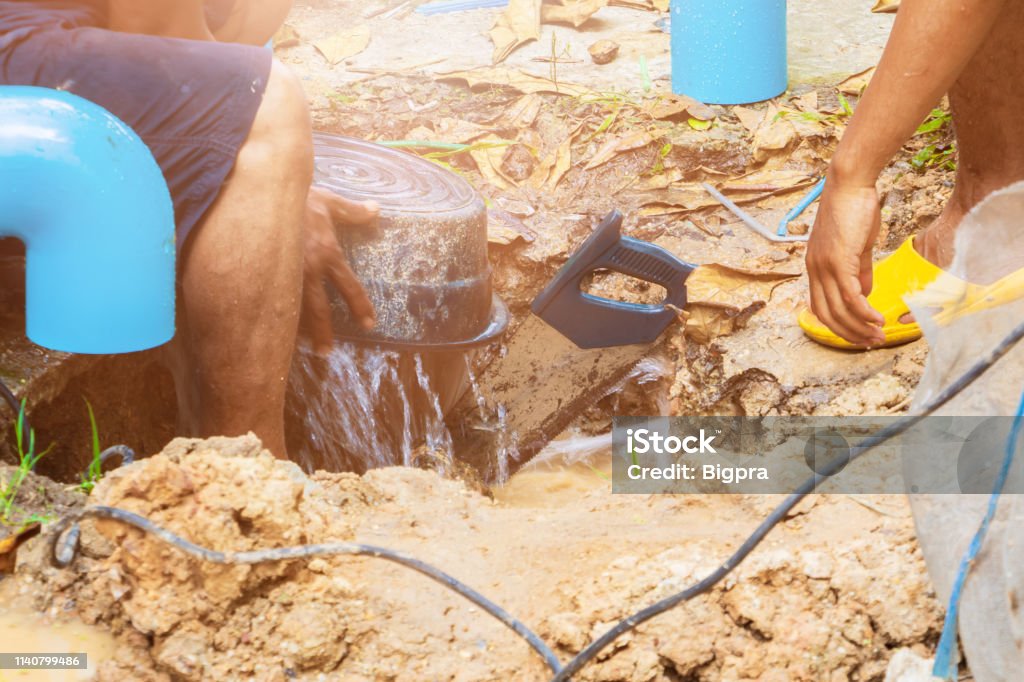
(896,276)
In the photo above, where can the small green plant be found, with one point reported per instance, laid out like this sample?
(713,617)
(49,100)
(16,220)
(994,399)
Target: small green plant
(10,514)
(343,98)
(936,122)
(659,164)
(940,155)
(941,149)
(95,472)
(845,104)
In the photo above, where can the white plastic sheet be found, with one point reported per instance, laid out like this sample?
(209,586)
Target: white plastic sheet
(989,246)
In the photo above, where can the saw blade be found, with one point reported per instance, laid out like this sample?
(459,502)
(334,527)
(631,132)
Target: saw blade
(532,392)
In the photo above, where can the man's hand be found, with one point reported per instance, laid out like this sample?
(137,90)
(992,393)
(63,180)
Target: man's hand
(839,262)
(325,261)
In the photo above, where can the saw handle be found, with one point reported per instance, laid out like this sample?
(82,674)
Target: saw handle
(594,322)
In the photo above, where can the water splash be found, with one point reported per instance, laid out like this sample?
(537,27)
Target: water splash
(363,408)
(439,439)
(507,441)
(474,383)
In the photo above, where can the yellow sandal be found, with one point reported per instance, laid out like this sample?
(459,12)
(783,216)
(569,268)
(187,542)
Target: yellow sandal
(902,273)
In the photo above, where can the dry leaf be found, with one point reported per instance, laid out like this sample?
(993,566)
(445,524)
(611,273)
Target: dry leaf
(489,160)
(616,145)
(707,321)
(886,6)
(721,299)
(707,226)
(749,118)
(575,12)
(686,198)
(678,199)
(344,44)
(809,126)
(449,129)
(653,210)
(674,105)
(774,134)
(723,285)
(635,4)
(504,228)
(517,80)
(523,112)
(855,84)
(807,102)
(552,168)
(517,25)
(660,181)
(769,181)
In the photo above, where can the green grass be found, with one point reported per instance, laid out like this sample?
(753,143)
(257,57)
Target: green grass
(10,514)
(95,472)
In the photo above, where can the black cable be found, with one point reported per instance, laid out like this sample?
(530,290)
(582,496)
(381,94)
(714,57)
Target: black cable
(63,553)
(10,399)
(780,512)
(124,453)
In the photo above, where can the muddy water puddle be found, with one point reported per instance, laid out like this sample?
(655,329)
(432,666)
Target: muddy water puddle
(568,469)
(23,631)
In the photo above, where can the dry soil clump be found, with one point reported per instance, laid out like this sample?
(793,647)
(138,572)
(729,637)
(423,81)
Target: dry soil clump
(835,589)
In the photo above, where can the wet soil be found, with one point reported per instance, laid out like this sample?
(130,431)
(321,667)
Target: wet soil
(831,593)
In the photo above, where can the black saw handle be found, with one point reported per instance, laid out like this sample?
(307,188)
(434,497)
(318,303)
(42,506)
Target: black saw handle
(595,322)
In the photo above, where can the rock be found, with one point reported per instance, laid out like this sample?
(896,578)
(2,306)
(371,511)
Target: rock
(566,630)
(907,666)
(877,395)
(603,51)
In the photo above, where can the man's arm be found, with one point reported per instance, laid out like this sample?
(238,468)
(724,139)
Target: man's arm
(251,21)
(931,43)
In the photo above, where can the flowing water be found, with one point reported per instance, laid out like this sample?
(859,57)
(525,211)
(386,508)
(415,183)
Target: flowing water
(363,407)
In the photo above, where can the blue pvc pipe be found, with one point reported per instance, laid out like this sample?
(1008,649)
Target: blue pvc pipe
(85,195)
(729,51)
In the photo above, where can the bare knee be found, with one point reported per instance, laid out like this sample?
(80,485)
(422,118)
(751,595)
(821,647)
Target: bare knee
(281,133)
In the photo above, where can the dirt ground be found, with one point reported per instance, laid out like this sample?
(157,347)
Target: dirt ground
(593,139)
(831,594)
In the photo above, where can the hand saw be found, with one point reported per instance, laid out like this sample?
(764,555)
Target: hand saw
(569,353)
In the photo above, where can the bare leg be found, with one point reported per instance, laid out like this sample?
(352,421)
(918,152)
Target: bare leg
(986,101)
(242,279)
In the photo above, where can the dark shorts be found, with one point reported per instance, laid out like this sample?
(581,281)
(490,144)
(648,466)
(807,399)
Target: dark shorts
(192,102)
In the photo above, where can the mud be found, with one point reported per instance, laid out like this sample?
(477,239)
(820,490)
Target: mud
(830,594)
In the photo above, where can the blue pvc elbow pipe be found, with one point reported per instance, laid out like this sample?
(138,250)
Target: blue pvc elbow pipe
(85,195)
